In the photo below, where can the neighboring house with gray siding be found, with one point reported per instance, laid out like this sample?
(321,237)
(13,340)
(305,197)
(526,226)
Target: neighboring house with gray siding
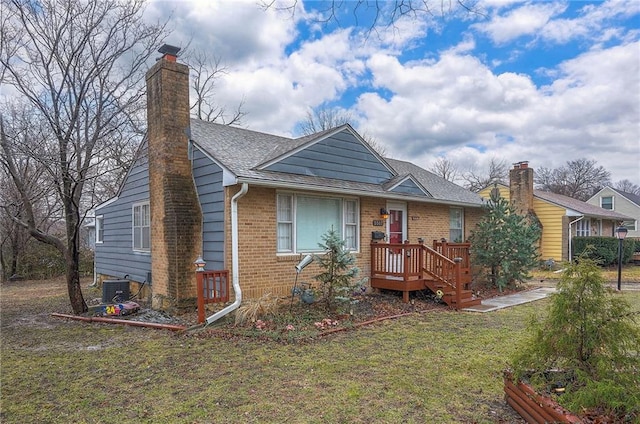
(622,202)
(255,203)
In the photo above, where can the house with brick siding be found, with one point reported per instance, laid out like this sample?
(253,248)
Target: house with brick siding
(256,203)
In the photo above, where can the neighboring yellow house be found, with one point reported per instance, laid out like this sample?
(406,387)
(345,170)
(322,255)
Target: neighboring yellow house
(562,217)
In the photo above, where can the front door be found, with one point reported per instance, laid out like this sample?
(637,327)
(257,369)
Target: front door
(397,222)
(397,230)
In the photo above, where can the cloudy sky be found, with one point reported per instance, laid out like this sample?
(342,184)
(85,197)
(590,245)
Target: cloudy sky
(544,82)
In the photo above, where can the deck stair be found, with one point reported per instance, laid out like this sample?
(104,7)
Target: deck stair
(443,269)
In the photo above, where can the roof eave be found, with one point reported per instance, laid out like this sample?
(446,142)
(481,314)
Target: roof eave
(352,192)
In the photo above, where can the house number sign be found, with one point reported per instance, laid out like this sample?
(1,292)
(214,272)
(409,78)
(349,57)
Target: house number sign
(378,222)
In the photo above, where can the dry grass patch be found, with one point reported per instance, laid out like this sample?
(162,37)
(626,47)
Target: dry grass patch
(439,366)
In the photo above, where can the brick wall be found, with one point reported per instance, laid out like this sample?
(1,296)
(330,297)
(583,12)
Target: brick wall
(176,219)
(263,271)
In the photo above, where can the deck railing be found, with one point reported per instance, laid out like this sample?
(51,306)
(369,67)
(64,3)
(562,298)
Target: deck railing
(412,261)
(213,287)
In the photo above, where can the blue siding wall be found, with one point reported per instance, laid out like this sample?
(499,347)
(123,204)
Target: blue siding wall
(115,256)
(341,156)
(208,178)
(409,187)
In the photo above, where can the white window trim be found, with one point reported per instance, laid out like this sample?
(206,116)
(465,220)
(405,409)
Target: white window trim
(133,209)
(294,196)
(580,228)
(99,229)
(613,202)
(461,223)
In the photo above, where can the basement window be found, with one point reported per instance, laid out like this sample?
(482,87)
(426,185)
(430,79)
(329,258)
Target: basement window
(141,227)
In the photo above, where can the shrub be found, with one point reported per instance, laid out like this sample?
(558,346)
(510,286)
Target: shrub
(591,335)
(253,309)
(337,285)
(603,250)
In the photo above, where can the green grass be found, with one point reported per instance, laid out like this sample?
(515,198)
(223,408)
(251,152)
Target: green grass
(437,367)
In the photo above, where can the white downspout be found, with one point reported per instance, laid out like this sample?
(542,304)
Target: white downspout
(570,233)
(235,276)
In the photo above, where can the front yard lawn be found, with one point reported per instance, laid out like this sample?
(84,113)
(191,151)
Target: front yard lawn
(439,366)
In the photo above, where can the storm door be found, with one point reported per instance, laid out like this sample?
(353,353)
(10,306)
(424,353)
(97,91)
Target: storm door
(397,231)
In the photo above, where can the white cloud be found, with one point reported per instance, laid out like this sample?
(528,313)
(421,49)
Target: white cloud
(452,104)
(524,20)
(458,107)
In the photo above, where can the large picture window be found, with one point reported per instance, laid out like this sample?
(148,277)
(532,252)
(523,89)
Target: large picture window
(304,219)
(456,225)
(141,227)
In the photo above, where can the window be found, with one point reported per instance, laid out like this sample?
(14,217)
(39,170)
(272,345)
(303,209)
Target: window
(303,220)
(456,225)
(99,229)
(141,227)
(583,228)
(606,202)
(630,225)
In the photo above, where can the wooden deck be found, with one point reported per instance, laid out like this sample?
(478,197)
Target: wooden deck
(445,269)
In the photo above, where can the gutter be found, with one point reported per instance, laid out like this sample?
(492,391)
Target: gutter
(234,258)
(570,224)
(354,192)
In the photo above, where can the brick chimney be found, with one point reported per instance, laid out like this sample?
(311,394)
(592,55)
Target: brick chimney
(521,188)
(176,218)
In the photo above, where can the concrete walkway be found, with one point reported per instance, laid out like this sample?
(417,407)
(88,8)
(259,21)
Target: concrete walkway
(501,302)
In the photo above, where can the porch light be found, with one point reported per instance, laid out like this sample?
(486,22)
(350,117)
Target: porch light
(199,263)
(384,214)
(621,233)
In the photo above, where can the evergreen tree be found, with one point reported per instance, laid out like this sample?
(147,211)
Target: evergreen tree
(505,243)
(336,279)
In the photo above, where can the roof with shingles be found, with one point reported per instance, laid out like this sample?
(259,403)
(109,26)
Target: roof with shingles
(630,196)
(578,205)
(243,151)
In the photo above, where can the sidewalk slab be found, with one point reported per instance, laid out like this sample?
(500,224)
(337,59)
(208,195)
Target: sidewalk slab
(509,300)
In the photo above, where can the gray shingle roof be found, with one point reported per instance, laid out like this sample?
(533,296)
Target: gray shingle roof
(241,151)
(630,196)
(579,206)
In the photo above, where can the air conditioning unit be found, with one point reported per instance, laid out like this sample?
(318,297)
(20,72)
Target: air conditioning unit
(115,291)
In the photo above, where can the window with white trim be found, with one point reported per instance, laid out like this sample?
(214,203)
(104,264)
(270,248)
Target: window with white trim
(583,228)
(456,225)
(303,220)
(99,229)
(141,227)
(630,225)
(606,202)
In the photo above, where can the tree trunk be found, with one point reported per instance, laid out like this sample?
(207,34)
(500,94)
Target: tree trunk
(78,304)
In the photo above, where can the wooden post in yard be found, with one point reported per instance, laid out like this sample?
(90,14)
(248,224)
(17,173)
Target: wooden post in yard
(458,262)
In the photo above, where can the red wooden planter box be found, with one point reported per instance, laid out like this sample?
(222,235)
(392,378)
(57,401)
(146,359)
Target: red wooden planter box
(534,407)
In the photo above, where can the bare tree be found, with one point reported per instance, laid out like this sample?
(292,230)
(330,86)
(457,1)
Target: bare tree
(498,172)
(579,179)
(36,183)
(374,13)
(324,118)
(206,70)
(628,187)
(446,169)
(80,65)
